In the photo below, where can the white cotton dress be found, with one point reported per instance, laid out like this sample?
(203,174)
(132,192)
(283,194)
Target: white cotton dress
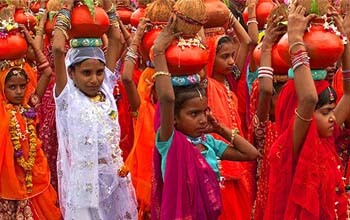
(89,157)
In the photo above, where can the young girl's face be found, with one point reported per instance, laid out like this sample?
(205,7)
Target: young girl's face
(88,76)
(325,120)
(15,88)
(224,59)
(192,119)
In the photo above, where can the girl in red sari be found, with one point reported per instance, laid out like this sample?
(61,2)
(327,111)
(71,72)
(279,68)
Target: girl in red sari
(305,174)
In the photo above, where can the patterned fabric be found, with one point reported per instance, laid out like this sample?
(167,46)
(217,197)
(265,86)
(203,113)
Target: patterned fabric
(10,209)
(262,135)
(47,124)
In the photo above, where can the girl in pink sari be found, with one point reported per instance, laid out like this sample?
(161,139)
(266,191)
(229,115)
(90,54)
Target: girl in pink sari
(186,169)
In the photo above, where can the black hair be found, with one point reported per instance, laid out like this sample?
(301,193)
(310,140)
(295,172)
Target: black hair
(72,67)
(185,93)
(277,87)
(324,97)
(15,72)
(223,40)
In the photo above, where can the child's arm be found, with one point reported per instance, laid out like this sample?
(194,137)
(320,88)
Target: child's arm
(253,32)
(304,84)
(115,46)
(265,82)
(239,148)
(129,64)
(163,84)
(244,42)
(43,64)
(342,110)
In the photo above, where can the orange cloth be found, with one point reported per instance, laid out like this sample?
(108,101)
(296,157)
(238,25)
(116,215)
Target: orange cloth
(12,176)
(139,161)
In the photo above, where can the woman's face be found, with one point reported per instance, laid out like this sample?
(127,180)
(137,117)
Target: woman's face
(88,76)
(15,88)
(224,59)
(325,120)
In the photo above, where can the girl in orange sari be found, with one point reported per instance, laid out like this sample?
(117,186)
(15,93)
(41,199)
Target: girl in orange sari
(139,161)
(238,186)
(25,190)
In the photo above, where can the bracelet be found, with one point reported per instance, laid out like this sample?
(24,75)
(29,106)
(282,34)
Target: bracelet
(234,132)
(43,66)
(63,31)
(111,9)
(134,114)
(265,72)
(129,58)
(39,32)
(295,44)
(157,54)
(346,74)
(302,118)
(252,21)
(161,73)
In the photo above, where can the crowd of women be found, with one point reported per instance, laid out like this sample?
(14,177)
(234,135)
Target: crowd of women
(102,128)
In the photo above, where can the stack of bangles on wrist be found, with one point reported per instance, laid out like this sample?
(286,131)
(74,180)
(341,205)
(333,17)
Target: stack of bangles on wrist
(252,20)
(63,21)
(131,55)
(41,11)
(112,16)
(43,65)
(265,72)
(299,57)
(346,75)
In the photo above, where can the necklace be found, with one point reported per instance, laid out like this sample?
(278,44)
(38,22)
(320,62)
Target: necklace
(100,97)
(230,104)
(17,136)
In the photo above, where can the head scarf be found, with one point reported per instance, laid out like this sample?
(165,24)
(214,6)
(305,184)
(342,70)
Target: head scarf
(32,82)
(79,54)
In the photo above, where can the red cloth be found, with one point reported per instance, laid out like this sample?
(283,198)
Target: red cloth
(262,135)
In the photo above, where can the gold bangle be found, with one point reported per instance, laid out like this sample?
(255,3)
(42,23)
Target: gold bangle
(63,31)
(111,9)
(161,73)
(234,132)
(295,44)
(302,118)
(157,54)
(134,114)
